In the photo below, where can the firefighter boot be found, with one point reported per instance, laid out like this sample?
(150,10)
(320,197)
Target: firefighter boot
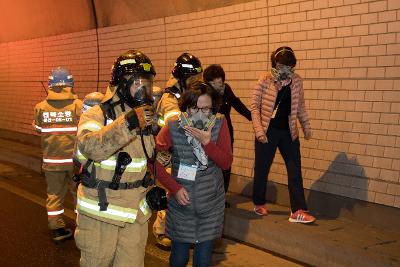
(61,234)
(163,241)
(159,231)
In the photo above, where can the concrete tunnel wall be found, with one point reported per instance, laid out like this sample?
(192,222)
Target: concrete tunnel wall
(348,54)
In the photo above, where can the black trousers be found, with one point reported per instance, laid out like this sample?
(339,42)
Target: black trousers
(264,155)
(227,178)
(227,173)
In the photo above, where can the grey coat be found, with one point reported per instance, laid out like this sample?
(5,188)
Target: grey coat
(202,220)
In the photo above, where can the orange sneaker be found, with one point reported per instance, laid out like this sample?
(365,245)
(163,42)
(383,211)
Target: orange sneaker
(301,216)
(260,210)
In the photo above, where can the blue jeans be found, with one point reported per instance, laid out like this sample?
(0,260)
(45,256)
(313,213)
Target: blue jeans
(179,256)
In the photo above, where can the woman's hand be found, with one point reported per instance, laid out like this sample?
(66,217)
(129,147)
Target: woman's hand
(204,137)
(182,197)
(262,139)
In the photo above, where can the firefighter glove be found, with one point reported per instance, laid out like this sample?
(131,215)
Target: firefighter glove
(140,117)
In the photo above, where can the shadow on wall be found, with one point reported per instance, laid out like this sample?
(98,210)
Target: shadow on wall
(344,177)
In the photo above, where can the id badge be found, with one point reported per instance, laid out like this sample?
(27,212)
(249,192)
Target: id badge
(187,172)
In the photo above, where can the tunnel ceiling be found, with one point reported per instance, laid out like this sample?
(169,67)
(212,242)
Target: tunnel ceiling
(27,19)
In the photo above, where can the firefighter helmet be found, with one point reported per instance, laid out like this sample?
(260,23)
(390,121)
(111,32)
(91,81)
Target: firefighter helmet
(186,65)
(132,62)
(60,77)
(133,68)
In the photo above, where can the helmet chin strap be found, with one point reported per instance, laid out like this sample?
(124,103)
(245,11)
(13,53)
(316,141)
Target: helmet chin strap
(123,90)
(121,100)
(182,85)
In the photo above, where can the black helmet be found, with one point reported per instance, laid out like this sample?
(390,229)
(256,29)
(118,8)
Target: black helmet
(186,65)
(130,62)
(138,66)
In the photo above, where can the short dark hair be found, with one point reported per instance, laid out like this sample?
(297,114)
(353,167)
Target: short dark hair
(189,97)
(283,55)
(212,72)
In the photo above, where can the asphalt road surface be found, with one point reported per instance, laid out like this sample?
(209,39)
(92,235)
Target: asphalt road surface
(25,239)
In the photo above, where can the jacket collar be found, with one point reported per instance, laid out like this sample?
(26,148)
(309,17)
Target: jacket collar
(66,93)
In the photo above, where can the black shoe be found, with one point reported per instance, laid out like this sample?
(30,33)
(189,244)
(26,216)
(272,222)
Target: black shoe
(61,234)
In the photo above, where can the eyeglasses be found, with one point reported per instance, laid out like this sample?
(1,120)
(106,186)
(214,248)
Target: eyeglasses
(205,110)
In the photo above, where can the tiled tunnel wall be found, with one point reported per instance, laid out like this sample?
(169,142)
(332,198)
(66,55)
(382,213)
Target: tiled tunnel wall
(348,54)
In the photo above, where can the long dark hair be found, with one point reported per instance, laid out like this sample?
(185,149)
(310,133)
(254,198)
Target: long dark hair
(189,97)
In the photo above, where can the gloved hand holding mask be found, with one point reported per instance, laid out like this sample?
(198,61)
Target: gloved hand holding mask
(141,100)
(140,117)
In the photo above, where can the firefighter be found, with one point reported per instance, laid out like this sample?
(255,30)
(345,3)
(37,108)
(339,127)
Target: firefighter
(187,69)
(56,118)
(116,144)
(91,100)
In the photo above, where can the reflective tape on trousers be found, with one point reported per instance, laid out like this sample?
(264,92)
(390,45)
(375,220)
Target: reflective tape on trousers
(55,212)
(57,161)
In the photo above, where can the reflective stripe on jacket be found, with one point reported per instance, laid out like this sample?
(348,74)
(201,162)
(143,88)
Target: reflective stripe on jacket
(167,108)
(113,212)
(56,119)
(101,144)
(55,212)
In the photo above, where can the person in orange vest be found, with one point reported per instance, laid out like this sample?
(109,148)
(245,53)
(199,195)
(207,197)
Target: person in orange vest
(56,119)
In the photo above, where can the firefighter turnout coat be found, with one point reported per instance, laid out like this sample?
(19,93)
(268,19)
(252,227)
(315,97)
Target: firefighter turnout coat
(56,118)
(168,106)
(100,140)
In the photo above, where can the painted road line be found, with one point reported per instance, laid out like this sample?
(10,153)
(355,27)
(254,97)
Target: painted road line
(32,197)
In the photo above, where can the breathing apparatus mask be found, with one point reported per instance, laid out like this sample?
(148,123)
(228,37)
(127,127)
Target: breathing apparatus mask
(201,120)
(142,86)
(143,94)
(282,72)
(157,199)
(200,117)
